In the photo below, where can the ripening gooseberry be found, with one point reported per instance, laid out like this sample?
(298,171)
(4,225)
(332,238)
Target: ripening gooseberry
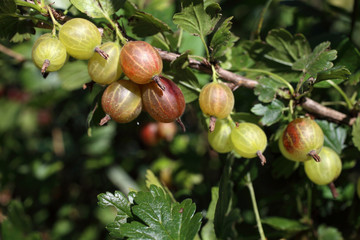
(302,140)
(104,71)
(217,101)
(48,54)
(80,38)
(121,101)
(141,62)
(249,140)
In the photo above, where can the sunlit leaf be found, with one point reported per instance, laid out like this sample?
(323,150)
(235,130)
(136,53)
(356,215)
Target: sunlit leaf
(195,19)
(97,8)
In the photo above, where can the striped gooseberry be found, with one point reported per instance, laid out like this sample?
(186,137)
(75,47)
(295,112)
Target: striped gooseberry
(48,53)
(80,37)
(104,71)
(219,139)
(141,62)
(325,171)
(163,106)
(217,101)
(121,101)
(249,140)
(302,140)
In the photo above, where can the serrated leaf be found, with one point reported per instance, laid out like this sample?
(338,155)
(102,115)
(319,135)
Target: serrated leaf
(356,133)
(162,219)
(338,73)
(286,47)
(266,89)
(329,233)
(271,113)
(223,39)
(334,135)
(7,6)
(97,8)
(14,29)
(151,179)
(285,224)
(319,60)
(145,24)
(197,20)
(117,200)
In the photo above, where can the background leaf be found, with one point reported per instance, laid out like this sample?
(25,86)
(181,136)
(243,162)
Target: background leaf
(222,40)
(145,24)
(266,89)
(271,113)
(319,60)
(284,224)
(329,233)
(195,19)
(95,8)
(334,135)
(7,6)
(356,133)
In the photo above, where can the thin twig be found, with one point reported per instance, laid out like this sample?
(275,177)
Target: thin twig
(17,56)
(307,104)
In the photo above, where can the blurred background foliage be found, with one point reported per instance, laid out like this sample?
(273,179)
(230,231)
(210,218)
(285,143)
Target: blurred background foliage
(51,170)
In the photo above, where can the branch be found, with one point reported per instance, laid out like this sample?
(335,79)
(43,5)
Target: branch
(308,104)
(17,56)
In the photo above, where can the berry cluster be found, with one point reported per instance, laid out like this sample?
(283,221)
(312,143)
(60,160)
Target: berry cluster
(122,100)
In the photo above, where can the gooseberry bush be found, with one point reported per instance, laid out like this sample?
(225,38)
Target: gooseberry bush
(180,120)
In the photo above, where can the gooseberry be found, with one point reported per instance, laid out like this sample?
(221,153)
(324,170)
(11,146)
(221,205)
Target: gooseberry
(80,38)
(219,139)
(249,140)
(163,106)
(121,101)
(167,131)
(105,71)
(217,101)
(48,54)
(325,171)
(149,134)
(302,140)
(141,62)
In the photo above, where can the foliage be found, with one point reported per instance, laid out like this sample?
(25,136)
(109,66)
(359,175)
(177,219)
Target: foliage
(62,176)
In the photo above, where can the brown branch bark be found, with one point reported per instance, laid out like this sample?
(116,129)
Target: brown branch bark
(308,104)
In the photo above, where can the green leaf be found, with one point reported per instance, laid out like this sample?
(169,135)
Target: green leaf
(145,24)
(267,88)
(245,117)
(14,29)
(283,168)
(356,133)
(195,19)
(7,6)
(329,233)
(223,39)
(97,8)
(284,224)
(185,77)
(226,216)
(286,48)
(117,200)
(334,135)
(151,179)
(271,113)
(335,73)
(160,218)
(74,75)
(318,61)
